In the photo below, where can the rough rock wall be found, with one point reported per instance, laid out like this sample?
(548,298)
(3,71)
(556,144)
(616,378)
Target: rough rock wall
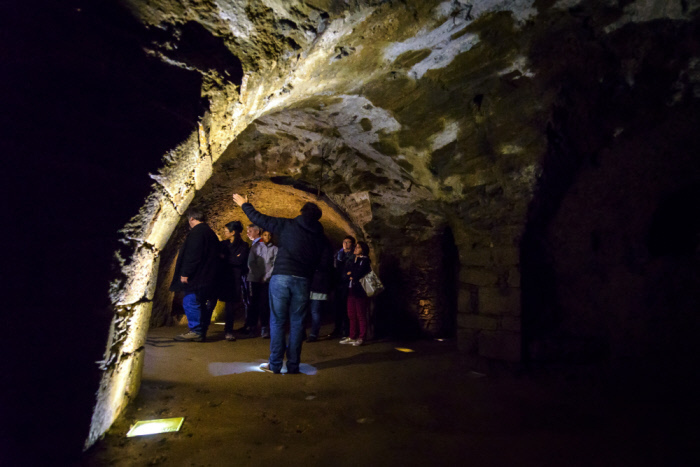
(417,119)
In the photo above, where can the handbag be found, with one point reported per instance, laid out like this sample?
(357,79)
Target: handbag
(371,284)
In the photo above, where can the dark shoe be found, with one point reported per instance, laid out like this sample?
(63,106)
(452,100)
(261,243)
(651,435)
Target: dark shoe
(190,337)
(335,334)
(312,339)
(265,334)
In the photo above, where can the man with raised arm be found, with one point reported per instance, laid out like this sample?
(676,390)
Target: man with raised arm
(301,242)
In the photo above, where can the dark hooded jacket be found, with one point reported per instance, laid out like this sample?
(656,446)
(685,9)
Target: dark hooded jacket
(198,261)
(301,241)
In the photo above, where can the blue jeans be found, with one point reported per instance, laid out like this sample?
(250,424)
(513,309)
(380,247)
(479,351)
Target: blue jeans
(316,312)
(289,297)
(198,313)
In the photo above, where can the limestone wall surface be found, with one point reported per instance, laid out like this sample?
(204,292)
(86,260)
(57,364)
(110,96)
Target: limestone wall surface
(496,124)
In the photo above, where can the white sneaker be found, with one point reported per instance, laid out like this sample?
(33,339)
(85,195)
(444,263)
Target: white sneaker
(357,343)
(265,367)
(346,340)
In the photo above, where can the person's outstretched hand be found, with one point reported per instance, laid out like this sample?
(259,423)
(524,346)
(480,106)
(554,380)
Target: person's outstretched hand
(239,200)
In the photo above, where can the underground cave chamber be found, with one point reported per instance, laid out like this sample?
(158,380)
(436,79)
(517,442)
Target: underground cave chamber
(525,172)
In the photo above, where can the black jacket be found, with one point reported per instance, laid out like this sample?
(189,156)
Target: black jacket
(339,261)
(301,241)
(198,261)
(233,266)
(358,268)
(322,281)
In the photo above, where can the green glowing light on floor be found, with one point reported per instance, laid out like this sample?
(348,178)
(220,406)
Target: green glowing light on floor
(150,427)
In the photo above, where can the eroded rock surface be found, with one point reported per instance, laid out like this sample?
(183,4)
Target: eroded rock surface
(503,158)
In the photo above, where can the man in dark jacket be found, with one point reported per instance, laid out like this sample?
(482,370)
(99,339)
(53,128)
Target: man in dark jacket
(195,275)
(301,241)
(320,288)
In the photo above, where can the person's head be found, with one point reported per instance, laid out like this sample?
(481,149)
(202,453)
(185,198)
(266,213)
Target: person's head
(311,211)
(348,243)
(232,228)
(194,216)
(253,231)
(361,249)
(266,236)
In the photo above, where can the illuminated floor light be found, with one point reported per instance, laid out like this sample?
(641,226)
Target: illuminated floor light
(236,368)
(151,427)
(404,349)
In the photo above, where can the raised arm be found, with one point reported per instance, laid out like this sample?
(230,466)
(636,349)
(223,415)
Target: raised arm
(272,224)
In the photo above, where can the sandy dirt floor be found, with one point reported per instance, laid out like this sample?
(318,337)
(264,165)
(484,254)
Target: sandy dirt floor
(372,405)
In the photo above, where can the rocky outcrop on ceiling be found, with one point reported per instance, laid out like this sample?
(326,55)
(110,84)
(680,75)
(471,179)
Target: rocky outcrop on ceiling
(458,137)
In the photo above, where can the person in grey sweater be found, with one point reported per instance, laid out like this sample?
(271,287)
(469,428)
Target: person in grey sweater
(261,260)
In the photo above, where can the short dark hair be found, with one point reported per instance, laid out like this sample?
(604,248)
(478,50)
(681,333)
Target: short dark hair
(364,247)
(195,214)
(351,238)
(253,226)
(311,210)
(235,226)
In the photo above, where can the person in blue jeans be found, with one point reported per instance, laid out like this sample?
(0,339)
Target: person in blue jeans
(301,241)
(196,275)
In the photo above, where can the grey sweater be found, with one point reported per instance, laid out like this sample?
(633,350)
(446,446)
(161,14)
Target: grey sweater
(261,260)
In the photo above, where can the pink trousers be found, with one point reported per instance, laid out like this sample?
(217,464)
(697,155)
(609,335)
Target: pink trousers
(358,309)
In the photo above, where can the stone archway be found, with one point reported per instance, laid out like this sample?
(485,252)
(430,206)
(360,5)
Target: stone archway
(404,118)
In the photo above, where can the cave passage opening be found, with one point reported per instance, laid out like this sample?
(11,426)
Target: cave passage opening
(269,196)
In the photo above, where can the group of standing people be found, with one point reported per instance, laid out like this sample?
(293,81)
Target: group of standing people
(351,304)
(208,270)
(277,285)
(244,274)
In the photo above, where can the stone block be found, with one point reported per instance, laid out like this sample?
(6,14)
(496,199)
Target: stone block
(141,273)
(155,221)
(465,237)
(506,254)
(500,345)
(497,301)
(358,207)
(137,328)
(470,321)
(475,257)
(511,323)
(467,300)
(183,199)
(118,387)
(478,276)
(177,174)
(202,172)
(514,277)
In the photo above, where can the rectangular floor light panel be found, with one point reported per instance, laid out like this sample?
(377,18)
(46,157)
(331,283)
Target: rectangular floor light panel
(151,427)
